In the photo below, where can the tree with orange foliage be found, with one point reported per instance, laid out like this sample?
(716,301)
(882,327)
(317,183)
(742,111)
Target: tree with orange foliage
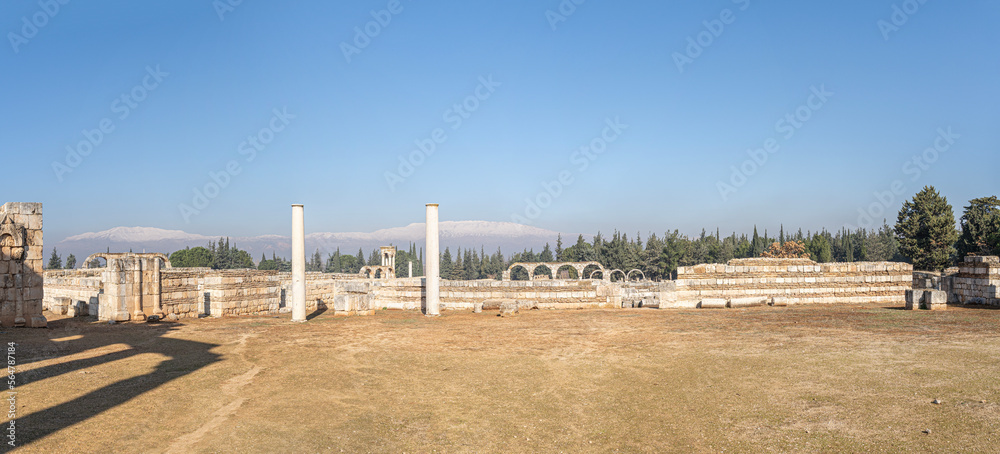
(789,250)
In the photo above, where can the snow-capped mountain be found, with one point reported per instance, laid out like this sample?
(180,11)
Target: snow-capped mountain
(508,236)
(137,235)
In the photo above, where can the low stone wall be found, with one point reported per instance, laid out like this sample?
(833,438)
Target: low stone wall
(242,292)
(976,282)
(192,292)
(321,288)
(80,286)
(182,291)
(543,294)
(798,281)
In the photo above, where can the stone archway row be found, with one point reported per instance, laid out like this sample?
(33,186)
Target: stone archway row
(553,267)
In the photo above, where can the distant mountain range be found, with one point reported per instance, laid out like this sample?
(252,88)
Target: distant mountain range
(508,236)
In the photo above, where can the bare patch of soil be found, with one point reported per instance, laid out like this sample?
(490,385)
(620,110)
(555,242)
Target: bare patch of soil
(807,379)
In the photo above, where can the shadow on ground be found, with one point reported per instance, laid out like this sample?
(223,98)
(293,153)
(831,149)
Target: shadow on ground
(184,356)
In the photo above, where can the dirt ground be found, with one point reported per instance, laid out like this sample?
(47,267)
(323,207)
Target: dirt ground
(804,379)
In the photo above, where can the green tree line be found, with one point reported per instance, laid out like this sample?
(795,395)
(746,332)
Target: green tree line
(925,235)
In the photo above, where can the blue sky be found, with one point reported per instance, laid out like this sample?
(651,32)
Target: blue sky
(556,80)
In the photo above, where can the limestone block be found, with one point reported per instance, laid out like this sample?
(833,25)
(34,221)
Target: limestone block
(781,301)
(712,303)
(913,299)
(750,301)
(509,308)
(60,305)
(935,300)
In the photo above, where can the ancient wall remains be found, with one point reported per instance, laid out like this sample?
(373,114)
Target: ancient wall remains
(976,282)
(543,294)
(795,281)
(192,292)
(77,289)
(242,292)
(21,275)
(182,291)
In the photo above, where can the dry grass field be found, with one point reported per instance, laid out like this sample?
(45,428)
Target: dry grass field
(803,379)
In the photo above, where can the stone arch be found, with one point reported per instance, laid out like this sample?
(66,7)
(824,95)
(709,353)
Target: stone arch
(611,274)
(108,256)
(559,266)
(553,267)
(548,266)
(508,275)
(588,270)
(629,275)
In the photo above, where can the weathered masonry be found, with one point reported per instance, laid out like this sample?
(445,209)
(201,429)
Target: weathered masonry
(21,275)
(193,292)
(974,281)
(792,281)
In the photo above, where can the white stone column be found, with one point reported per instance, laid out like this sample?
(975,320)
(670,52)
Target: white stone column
(432,267)
(298,264)
(411,269)
(156,288)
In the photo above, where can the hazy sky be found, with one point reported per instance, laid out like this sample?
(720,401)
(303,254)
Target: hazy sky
(666,99)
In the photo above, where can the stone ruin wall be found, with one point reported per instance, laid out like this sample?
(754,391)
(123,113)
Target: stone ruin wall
(183,291)
(543,294)
(974,281)
(192,292)
(242,292)
(78,289)
(21,266)
(799,281)
(977,281)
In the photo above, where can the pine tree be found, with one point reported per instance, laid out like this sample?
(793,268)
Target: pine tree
(458,271)
(333,264)
(315,262)
(55,261)
(980,228)
(926,230)
(546,254)
(470,260)
(446,264)
(559,248)
(70,262)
